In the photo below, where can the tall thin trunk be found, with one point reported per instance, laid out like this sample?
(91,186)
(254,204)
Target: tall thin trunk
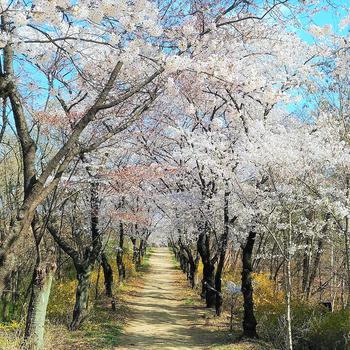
(347,243)
(289,302)
(120,251)
(249,321)
(289,284)
(332,270)
(307,256)
(315,266)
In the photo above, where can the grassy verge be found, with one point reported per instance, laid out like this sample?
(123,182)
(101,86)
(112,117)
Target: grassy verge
(104,326)
(223,338)
(100,331)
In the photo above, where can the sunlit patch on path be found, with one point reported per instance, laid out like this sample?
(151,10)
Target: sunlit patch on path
(160,317)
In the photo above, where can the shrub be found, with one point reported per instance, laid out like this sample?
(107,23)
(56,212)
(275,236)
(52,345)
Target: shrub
(313,326)
(129,265)
(62,299)
(11,335)
(331,332)
(264,291)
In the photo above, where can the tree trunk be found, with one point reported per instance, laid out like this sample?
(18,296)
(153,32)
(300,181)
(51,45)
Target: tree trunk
(134,251)
(347,242)
(120,263)
(140,252)
(306,267)
(183,261)
(108,275)
(208,269)
(193,271)
(288,302)
(5,315)
(97,294)
(223,248)
(218,283)
(192,264)
(249,321)
(81,296)
(41,287)
(288,277)
(315,267)
(209,280)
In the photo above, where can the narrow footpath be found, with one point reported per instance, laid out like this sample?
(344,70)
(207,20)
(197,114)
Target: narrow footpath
(160,318)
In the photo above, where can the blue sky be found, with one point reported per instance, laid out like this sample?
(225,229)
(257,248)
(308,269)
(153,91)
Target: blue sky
(336,10)
(331,16)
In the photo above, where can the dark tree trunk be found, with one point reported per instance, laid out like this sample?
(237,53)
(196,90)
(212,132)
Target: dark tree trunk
(83,267)
(183,261)
(140,253)
(134,251)
(59,262)
(306,267)
(81,296)
(209,279)
(192,268)
(249,321)
(218,282)
(120,251)
(223,248)
(208,269)
(315,266)
(317,259)
(108,275)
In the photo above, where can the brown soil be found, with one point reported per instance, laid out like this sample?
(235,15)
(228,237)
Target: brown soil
(160,315)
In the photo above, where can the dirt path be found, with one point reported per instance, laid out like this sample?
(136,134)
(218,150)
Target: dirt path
(160,317)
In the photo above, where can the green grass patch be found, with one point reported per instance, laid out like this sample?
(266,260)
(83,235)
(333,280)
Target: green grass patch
(189,301)
(145,263)
(105,334)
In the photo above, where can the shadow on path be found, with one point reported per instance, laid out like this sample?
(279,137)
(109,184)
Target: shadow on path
(160,318)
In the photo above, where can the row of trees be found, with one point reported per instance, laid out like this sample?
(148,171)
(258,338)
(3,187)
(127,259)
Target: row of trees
(130,116)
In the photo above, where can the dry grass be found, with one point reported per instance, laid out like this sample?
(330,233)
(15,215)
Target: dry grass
(221,325)
(100,331)
(104,327)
